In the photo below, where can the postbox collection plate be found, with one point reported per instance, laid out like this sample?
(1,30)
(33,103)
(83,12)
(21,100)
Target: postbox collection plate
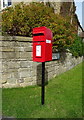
(38,51)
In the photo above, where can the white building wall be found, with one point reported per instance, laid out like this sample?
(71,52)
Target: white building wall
(4,3)
(79,30)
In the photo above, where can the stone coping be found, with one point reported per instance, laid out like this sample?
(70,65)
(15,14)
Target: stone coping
(15,38)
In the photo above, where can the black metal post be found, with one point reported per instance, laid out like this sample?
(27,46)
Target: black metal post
(43,83)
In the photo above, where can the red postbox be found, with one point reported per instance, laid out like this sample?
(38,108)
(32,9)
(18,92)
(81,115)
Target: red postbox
(42,44)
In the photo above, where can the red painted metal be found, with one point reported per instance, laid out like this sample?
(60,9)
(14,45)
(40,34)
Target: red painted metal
(42,44)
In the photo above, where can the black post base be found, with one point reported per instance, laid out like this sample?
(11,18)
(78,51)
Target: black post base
(43,83)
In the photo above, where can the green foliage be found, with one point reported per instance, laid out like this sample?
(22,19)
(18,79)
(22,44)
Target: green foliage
(20,19)
(77,47)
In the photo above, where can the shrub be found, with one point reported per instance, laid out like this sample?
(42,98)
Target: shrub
(20,19)
(77,47)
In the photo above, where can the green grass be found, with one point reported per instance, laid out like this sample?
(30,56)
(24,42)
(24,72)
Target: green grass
(63,98)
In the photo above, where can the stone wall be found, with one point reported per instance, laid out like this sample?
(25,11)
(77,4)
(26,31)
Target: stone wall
(18,69)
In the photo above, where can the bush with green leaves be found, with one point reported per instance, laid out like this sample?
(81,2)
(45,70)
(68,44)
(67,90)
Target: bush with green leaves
(77,47)
(21,18)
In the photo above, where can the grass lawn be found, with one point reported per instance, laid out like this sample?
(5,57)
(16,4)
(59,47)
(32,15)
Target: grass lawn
(63,98)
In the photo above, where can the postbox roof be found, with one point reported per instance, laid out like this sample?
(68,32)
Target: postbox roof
(40,30)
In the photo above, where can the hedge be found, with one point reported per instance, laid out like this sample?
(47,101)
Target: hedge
(21,18)
(77,48)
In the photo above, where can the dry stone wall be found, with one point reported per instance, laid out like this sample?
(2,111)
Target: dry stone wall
(17,68)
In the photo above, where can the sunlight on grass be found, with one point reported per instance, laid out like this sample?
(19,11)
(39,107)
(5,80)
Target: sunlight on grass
(63,98)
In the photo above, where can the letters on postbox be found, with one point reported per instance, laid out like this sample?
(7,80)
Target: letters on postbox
(42,44)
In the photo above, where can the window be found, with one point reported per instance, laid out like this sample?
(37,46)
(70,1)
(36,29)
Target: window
(9,2)
(5,3)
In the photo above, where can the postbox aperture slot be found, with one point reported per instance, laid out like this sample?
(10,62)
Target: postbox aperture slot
(38,34)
